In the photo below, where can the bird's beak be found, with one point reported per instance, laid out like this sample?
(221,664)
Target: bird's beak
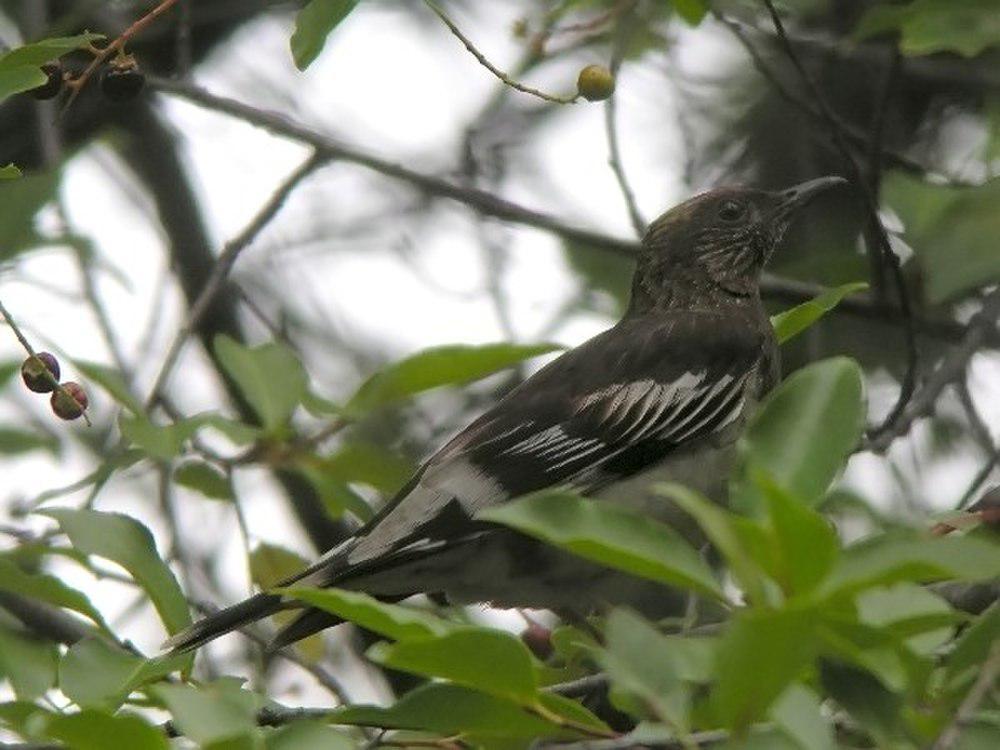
(799,195)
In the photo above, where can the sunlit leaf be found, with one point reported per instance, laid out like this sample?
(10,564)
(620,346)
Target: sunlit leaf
(9,172)
(269,376)
(393,621)
(927,26)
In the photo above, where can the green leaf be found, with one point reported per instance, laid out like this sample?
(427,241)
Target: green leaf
(15,80)
(237,432)
(27,663)
(808,426)
(889,558)
(390,620)
(799,715)
(270,377)
(111,381)
(692,11)
(900,607)
(638,658)
(270,563)
(91,729)
(806,544)
(368,464)
(790,323)
(308,735)
(927,26)
(124,540)
(20,67)
(337,497)
(609,535)
(949,229)
(15,441)
(93,673)
(432,368)
(727,532)
(9,172)
(22,199)
(973,646)
(162,442)
(210,713)
(46,588)
(492,661)
(760,655)
(314,23)
(450,709)
(204,478)
(865,698)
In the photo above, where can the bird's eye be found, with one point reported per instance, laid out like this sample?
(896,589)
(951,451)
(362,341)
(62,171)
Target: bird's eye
(732,210)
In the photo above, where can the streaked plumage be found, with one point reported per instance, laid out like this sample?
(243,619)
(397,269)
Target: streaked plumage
(662,394)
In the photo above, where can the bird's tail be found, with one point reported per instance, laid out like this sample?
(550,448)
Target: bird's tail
(250,610)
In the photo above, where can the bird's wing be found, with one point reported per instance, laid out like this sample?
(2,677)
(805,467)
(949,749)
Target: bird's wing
(641,388)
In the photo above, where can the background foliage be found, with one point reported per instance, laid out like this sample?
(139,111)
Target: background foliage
(846,598)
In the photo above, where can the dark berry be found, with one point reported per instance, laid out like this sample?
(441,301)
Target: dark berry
(33,372)
(52,86)
(538,639)
(69,401)
(595,82)
(121,84)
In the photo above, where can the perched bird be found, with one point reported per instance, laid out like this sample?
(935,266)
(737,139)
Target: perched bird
(661,395)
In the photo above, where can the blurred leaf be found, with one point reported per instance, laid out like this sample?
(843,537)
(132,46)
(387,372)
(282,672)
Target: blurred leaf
(452,709)
(949,229)
(799,715)
(22,717)
(237,432)
(15,441)
(162,442)
(28,664)
(609,535)
(492,661)
(45,50)
(14,80)
(270,564)
(112,382)
(791,323)
(124,540)
(308,735)
(210,712)
(390,620)
(973,645)
(368,464)
(808,426)
(21,200)
(638,658)
(9,172)
(806,544)
(46,588)
(723,529)
(432,368)
(888,558)
(204,478)
(93,673)
(761,653)
(91,729)
(602,271)
(692,11)
(270,377)
(891,608)
(927,26)
(313,25)
(337,497)
(868,702)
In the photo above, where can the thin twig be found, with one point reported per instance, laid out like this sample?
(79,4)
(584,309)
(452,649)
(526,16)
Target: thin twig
(227,259)
(985,682)
(880,236)
(951,369)
(482,59)
(627,26)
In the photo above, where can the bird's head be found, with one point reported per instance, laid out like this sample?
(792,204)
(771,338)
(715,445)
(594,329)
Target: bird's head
(718,241)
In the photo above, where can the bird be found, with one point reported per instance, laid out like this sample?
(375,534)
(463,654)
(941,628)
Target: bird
(662,395)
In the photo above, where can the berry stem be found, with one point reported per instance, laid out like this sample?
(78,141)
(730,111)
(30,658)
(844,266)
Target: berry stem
(56,385)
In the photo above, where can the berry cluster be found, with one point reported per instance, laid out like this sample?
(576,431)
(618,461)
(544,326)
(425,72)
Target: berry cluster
(121,80)
(41,375)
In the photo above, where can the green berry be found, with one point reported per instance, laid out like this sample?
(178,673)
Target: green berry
(33,372)
(595,82)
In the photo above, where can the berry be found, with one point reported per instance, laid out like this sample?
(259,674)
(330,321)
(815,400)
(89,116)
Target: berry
(538,639)
(33,372)
(121,84)
(595,82)
(52,86)
(69,401)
